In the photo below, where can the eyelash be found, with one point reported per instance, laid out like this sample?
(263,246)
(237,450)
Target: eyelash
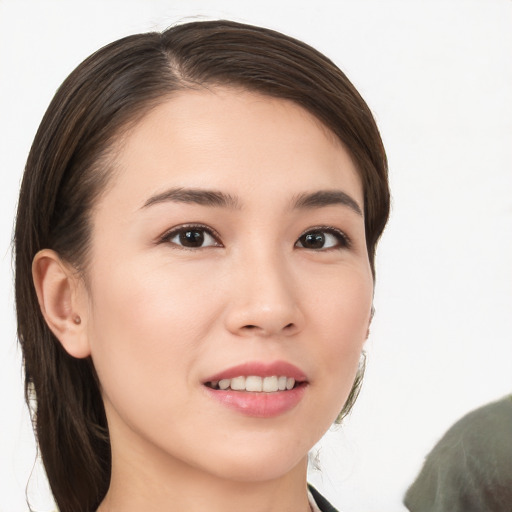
(343,241)
(169,235)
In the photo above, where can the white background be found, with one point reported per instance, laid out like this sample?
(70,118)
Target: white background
(438,77)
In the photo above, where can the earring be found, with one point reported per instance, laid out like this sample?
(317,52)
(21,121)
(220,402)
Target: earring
(372,313)
(77,320)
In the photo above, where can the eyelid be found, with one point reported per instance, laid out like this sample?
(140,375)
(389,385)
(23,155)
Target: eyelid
(345,241)
(172,232)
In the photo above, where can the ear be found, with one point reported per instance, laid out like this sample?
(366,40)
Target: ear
(61,295)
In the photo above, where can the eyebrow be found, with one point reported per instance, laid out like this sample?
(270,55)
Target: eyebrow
(326,198)
(195,196)
(220,199)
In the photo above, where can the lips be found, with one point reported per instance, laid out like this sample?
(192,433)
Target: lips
(259,369)
(257,389)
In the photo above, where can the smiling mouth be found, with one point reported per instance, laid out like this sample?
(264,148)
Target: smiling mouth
(255,383)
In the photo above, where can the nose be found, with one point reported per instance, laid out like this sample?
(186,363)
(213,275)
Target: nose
(263,299)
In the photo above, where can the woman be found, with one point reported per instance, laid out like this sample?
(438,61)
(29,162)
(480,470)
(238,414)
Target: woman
(195,247)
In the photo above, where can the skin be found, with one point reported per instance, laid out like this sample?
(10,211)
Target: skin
(158,319)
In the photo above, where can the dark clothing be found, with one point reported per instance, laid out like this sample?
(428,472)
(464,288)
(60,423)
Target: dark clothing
(322,503)
(470,469)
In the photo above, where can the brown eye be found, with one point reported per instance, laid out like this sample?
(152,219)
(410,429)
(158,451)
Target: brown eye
(315,240)
(191,237)
(319,239)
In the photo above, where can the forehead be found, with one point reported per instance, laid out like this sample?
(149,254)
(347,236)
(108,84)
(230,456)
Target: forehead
(229,138)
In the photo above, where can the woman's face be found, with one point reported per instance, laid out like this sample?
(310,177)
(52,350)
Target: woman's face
(230,244)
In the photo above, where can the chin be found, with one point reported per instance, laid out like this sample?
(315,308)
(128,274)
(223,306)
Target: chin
(258,468)
(260,458)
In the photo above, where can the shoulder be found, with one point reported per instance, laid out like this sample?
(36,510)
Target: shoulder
(483,433)
(470,464)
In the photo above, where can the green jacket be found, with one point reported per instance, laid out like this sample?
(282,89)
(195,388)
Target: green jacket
(470,468)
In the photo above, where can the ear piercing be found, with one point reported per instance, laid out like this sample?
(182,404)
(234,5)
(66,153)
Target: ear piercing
(77,320)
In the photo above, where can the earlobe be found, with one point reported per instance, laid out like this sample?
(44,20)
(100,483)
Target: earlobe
(58,291)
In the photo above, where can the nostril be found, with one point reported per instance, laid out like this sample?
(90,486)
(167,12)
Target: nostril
(251,327)
(270,325)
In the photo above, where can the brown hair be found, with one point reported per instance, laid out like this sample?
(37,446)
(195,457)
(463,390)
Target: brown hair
(68,167)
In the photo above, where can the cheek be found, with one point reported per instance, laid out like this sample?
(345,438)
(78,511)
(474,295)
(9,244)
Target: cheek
(342,316)
(146,325)
(341,307)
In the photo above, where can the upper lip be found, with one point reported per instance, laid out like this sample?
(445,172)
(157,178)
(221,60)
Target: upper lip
(261,369)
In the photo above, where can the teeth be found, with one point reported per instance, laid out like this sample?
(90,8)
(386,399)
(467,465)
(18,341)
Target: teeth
(238,384)
(255,383)
(223,384)
(270,384)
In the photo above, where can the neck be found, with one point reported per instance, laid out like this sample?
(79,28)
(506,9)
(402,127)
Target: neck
(145,479)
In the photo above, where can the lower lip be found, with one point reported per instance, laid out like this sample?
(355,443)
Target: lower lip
(259,405)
